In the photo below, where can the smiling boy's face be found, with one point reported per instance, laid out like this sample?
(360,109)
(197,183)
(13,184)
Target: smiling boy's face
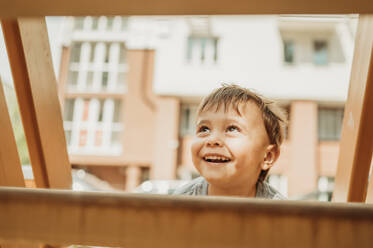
(229,148)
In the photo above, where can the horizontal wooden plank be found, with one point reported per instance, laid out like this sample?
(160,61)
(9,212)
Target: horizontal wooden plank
(12,8)
(61,217)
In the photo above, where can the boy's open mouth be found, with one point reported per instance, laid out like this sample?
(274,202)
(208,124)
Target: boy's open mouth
(216,159)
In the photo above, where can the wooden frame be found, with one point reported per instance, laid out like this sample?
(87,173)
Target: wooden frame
(35,85)
(356,144)
(13,8)
(10,165)
(122,220)
(61,217)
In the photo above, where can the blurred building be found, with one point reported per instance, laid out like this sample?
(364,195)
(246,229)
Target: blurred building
(129,87)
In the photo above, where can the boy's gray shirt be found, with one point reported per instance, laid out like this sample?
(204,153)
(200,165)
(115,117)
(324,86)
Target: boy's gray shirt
(199,186)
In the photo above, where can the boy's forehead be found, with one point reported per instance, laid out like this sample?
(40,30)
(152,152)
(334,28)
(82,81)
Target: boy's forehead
(241,109)
(249,111)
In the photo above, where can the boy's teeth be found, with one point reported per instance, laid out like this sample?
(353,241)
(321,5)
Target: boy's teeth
(216,159)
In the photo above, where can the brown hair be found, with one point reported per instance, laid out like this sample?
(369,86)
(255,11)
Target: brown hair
(231,96)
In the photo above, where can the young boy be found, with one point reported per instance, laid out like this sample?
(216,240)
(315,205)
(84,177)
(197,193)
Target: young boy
(237,141)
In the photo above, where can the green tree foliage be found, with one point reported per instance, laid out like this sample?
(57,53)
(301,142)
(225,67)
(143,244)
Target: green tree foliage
(16,123)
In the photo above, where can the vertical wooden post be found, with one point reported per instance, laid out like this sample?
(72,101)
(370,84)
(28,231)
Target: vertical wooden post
(369,198)
(35,84)
(10,165)
(356,144)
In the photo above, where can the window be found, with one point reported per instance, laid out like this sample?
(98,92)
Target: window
(78,23)
(124,24)
(92,122)
(72,80)
(92,126)
(122,54)
(202,49)
(101,110)
(94,23)
(75,52)
(69,109)
(325,187)
(311,48)
(107,52)
(117,111)
(330,123)
(88,57)
(121,80)
(92,51)
(187,119)
(105,78)
(110,22)
(89,84)
(68,137)
(289,50)
(320,52)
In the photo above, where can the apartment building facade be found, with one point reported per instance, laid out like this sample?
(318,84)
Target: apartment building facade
(129,87)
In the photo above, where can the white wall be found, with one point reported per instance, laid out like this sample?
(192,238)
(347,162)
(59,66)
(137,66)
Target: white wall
(250,54)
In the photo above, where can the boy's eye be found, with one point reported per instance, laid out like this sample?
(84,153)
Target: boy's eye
(233,129)
(203,129)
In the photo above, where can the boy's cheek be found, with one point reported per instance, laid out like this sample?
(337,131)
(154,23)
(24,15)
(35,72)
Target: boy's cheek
(195,147)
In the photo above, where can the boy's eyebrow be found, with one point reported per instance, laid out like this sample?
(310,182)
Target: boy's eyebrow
(203,121)
(234,120)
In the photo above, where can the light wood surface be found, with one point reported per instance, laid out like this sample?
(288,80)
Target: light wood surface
(61,217)
(369,198)
(35,84)
(12,8)
(356,143)
(63,74)
(10,165)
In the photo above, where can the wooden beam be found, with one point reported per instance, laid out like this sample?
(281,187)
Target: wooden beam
(63,74)
(62,217)
(14,8)
(10,165)
(369,198)
(356,144)
(35,84)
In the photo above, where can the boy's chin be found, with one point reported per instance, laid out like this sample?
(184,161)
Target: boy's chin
(218,180)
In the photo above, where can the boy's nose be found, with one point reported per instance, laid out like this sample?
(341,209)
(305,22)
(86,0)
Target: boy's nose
(214,141)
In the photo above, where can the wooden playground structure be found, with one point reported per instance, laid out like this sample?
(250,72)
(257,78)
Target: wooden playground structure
(55,215)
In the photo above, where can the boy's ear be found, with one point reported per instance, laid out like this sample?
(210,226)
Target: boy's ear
(270,157)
